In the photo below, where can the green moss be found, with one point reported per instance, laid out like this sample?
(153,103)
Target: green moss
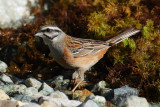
(98,23)
(128,22)
(148,30)
(130,42)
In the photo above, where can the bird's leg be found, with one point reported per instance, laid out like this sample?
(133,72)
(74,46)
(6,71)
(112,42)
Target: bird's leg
(77,85)
(80,74)
(75,77)
(75,80)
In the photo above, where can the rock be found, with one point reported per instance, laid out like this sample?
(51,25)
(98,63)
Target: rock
(24,98)
(1,83)
(31,105)
(65,84)
(100,100)
(3,95)
(12,90)
(88,103)
(102,84)
(45,89)
(99,86)
(13,12)
(58,94)
(6,79)
(3,67)
(37,96)
(60,83)
(81,94)
(30,91)
(47,101)
(121,94)
(135,101)
(68,93)
(32,82)
(7,103)
(108,93)
(126,91)
(58,78)
(17,80)
(19,103)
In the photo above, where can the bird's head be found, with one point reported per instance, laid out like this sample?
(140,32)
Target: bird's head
(50,33)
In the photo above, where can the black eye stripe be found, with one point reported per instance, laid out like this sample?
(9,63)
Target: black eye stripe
(47,36)
(48,30)
(50,37)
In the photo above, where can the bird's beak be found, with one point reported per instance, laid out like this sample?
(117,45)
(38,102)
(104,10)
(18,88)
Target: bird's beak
(38,34)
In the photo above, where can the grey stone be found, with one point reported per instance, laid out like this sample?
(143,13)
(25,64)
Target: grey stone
(135,101)
(12,90)
(6,79)
(88,103)
(3,95)
(121,95)
(60,83)
(24,98)
(100,100)
(102,84)
(57,99)
(31,105)
(68,93)
(107,93)
(3,67)
(58,78)
(47,101)
(65,82)
(45,89)
(126,90)
(17,80)
(99,86)
(32,82)
(1,83)
(30,91)
(58,94)
(7,103)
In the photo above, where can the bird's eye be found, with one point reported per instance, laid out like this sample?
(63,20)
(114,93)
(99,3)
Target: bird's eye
(48,30)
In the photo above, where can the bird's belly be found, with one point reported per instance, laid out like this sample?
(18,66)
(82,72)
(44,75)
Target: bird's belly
(87,62)
(65,63)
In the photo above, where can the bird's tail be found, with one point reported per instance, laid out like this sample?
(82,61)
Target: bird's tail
(122,36)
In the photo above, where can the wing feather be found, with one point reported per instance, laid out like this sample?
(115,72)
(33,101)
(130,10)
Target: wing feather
(84,47)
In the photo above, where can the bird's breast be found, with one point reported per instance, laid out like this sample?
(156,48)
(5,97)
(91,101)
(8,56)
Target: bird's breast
(57,50)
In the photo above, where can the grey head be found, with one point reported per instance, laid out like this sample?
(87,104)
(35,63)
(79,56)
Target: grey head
(50,34)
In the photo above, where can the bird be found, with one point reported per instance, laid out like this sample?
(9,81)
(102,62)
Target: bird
(77,53)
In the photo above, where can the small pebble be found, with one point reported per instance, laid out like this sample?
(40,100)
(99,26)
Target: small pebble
(3,67)
(32,82)
(45,89)
(6,79)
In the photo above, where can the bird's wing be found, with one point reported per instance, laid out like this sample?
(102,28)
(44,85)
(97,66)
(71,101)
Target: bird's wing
(84,47)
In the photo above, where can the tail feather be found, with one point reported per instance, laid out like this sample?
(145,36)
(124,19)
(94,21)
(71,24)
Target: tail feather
(122,36)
